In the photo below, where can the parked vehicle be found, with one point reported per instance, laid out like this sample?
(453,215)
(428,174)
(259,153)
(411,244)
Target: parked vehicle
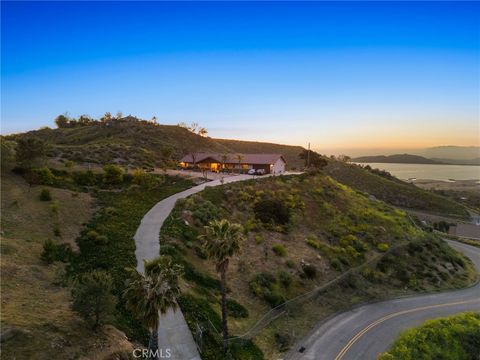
(251,172)
(260,172)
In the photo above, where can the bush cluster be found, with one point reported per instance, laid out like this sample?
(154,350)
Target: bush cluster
(455,337)
(268,287)
(272,211)
(55,252)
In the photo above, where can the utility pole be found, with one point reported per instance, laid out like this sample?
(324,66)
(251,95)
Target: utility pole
(308,156)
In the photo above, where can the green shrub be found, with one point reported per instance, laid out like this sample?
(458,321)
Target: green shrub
(55,208)
(272,211)
(198,311)
(265,285)
(42,176)
(310,271)
(242,349)
(236,310)
(258,239)
(113,174)
(85,178)
(290,263)
(454,337)
(45,195)
(279,250)
(383,247)
(285,279)
(204,212)
(283,341)
(146,180)
(313,243)
(55,252)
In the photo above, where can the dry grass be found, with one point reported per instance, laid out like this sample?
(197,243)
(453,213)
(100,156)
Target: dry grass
(33,302)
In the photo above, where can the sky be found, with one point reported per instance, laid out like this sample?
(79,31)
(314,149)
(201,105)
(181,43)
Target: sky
(341,75)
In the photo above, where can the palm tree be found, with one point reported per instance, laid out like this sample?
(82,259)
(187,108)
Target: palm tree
(224,158)
(240,158)
(222,240)
(152,293)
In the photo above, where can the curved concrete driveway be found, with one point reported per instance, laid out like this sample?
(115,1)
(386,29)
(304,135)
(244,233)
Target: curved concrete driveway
(173,332)
(366,331)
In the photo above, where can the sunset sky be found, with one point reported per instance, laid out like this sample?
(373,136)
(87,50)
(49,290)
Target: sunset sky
(397,75)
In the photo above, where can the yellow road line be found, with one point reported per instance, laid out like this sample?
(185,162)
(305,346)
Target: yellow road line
(347,347)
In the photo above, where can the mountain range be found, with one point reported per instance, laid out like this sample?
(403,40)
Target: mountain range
(414,159)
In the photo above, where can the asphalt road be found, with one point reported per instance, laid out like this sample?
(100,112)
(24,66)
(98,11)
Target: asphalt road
(367,331)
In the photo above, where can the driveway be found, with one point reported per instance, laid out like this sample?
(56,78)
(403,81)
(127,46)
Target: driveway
(173,332)
(366,331)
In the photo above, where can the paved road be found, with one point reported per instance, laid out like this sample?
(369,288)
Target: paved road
(173,332)
(365,332)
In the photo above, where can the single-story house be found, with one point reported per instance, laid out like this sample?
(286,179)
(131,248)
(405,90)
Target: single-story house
(271,163)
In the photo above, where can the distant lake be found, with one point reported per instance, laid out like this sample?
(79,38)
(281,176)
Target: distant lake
(429,171)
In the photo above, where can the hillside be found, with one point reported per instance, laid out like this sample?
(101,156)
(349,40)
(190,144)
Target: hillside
(387,188)
(37,322)
(301,233)
(396,159)
(134,142)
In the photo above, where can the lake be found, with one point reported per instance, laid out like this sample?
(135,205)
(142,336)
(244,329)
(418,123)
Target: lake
(429,171)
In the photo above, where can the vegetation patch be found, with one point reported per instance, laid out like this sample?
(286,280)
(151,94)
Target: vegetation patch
(331,230)
(393,191)
(455,337)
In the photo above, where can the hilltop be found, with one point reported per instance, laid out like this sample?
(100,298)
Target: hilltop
(133,142)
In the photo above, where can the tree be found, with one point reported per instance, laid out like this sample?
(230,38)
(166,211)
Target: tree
(313,159)
(152,293)
(194,128)
(107,117)
(240,158)
(224,159)
(62,121)
(222,240)
(29,151)
(344,158)
(92,297)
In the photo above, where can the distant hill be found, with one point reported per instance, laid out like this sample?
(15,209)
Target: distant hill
(452,152)
(134,142)
(396,159)
(475,161)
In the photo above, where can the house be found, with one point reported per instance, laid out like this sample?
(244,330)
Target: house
(271,163)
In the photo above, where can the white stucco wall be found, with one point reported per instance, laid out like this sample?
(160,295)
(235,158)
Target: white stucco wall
(279,167)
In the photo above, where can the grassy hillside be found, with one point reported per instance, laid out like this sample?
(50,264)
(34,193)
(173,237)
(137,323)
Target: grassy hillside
(36,318)
(392,190)
(140,143)
(302,232)
(455,337)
